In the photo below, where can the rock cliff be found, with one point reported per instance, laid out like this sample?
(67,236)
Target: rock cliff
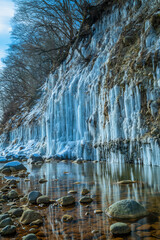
(105,108)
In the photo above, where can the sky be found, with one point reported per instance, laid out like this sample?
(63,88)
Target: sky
(6,13)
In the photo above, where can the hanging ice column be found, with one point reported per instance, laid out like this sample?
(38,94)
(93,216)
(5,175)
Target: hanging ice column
(91,110)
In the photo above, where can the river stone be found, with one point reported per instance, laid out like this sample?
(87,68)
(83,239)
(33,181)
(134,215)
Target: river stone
(14,165)
(36,158)
(119,228)
(67,200)
(3,159)
(12,182)
(29,216)
(43,199)
(3,216)
(30,236)
(84,191)
(67,218)
(12,194)
(42,180)
(5,222)
(32,197)
(86,199)
(16,212)
(126,209)
(126,182)
(8,230)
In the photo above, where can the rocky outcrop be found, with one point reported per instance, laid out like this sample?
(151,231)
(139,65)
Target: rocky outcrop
(108,107)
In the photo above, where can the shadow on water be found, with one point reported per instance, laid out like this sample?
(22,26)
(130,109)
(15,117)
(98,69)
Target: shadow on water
(101,180)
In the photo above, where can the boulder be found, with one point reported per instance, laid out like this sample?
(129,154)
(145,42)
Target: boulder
(12,194)
(86,199)
(32,197)
(67,200)
(43,200)
(29,216)
(119,228)
(8,230)
(14,165)
(126,209)
(30,236)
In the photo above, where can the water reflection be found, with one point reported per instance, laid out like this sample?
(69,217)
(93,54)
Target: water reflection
(101,179)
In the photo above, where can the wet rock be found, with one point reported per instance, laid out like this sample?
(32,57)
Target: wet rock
(43,200)
(126,209)
(12,194)
(42,180)
(67,218)
(6,171)
(67,200)
(24,199)
(5,189)
(126,182)
(8,230)
(144,227)
(3,216)
(98,211)
(12,182)
(29,216)
(36,222)
(16,212)
(119,228)
(78,161)
(5,222)
(3,159)
(30,236)
(94,231)
(86,199)
(84,191)
(36,158)
(32,197)
(15,165)
(72,191)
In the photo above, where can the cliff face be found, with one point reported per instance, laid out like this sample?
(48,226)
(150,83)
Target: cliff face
(107,108)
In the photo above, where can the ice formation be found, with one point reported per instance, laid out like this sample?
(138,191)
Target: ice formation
(104,109)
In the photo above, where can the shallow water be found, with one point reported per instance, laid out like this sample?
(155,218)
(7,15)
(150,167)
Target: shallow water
(101,179)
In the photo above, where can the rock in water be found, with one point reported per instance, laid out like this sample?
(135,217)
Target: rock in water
(29,216)
(12,194)
(36,158)
(67,218)
(32,197)
(84,191)
(86,199)
(14,165)
(67,200)
(8,230)
(119,228)
(43,200)
(5,222)
(30,236)
(126,209)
